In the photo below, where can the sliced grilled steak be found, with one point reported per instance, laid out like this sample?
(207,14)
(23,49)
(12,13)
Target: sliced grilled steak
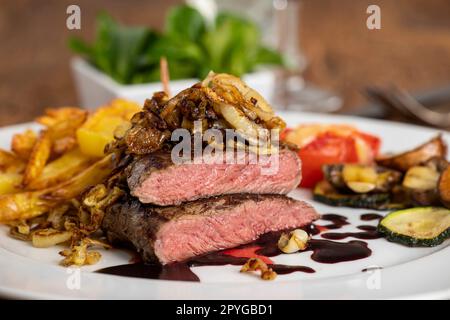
(169,234)
(155,179)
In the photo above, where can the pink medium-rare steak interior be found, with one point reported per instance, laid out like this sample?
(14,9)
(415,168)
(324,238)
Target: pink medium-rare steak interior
(175,233)
(174,184)
(192,236)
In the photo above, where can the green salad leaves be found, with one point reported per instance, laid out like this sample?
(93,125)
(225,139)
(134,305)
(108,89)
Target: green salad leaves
(192,47)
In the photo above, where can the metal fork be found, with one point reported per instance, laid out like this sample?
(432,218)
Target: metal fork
(406,104)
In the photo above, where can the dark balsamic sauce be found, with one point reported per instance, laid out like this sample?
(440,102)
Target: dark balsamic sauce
(371,216)
(326,251)
(337,221)
(175,271)
(369,233)
(323,251)
(285,269)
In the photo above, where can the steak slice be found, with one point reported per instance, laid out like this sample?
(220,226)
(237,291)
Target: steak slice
(155,179)
(177,233)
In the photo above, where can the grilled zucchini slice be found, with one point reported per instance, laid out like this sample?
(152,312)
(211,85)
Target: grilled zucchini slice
(417,227)
(325,193)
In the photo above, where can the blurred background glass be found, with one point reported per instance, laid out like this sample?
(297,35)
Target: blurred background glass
(279,23)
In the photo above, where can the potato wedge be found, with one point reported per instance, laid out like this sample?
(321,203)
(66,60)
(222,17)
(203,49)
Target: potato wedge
(10,182)
(62,124)
(22,143)
(435,148)
(23,205)
(63,118)
(29,204)
(38,158)
(99,129)
(61,169)
(10,163)
(63,145)
(93,175)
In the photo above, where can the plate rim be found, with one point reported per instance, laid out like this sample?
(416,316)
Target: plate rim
(438,293)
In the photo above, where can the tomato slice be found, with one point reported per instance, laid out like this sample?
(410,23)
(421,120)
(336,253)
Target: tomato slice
(326,148)
(373,142)
(284,133)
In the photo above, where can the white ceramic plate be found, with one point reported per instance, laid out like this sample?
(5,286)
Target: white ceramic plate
(27,272)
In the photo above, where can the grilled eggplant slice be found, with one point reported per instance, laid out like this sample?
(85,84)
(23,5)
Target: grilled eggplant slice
(417,227)
(361,178)
(325,193)
(435,148)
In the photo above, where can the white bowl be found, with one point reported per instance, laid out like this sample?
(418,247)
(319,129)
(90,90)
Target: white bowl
(95,88)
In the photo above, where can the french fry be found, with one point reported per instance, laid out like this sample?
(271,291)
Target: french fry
(63,145)
(10,182)
(22,143)
(38,158)
(93,175)
(22,205)
(62,124)
(60,117)
(60,170)
(30,204)
(10,163)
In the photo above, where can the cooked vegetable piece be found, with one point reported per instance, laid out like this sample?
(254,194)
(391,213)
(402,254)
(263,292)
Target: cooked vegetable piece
(359,173)
(38,158)
(29,204)
(422,226)
(80,255)
(294,241)
(361,178)
(99,129)
(444,187)
(10,182)
(234,91)
(61,169)
(322,144)
(361,187)
(438,164)
(10,163)
(421,178)
(63,145)
(420,184)
(333,174)
(255,264)
(22,205)
(45,238)
(62,124)
(324,192)
(435,148)
(92,176)
(64,120)
(22,143)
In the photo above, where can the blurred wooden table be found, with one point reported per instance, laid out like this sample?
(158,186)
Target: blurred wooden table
(411,49)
